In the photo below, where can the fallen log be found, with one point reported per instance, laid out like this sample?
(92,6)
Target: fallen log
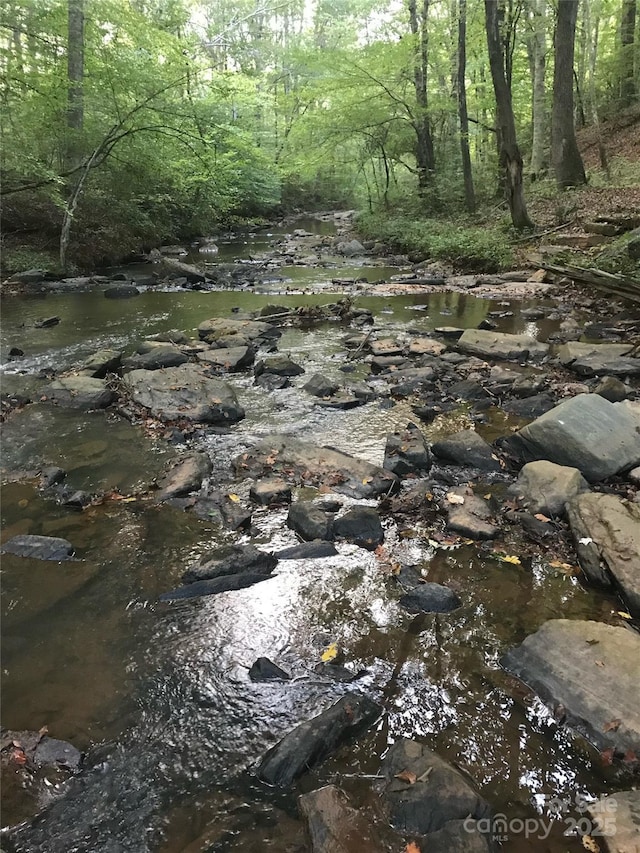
(618,285)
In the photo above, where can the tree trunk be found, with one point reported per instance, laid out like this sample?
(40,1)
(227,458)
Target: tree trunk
(510,157)
(567,162)
(627,40)
(537,45)
(425,158)
(469,193)
(75,75)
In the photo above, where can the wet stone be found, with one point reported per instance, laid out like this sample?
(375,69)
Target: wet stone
(79,392)
(264,669)
(314,550)
(439,796)
(232,560)
(332,823)
(499,345)
(320,386)
(471,518)
(39,547)
(360,525)
(184,477)
(279,365)
(156,357)
(430,598)
(546,487)
(121,291)
(467,448)
(228,358)
(406,452)
(593,670)
(270,492)
(312,741)
(309,521)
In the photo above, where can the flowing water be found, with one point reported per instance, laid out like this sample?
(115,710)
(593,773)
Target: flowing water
(158,696)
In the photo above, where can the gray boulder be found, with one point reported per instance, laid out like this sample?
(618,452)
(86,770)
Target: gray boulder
(319,386)
(184,477)
(228,358)
(470,515)
(599,359)
(439,796)
(232,560)
(184,392)
(546,487)
(612,389)
(332,823)
(467,448)
(406,452)
(102,362)
(430,598)
(270,491)
(606,530)
(499,345)
(592,670)
(309,521)
(587,432)
(39,547)
(280,365)
(350,248)
(360,525)
(79,392)
(156,357)
(302,461)
(251,330)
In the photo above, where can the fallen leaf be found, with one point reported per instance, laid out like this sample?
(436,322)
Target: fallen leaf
(330,653)
(612,726)
(630,757)
(509,558)
(407,776)
(599,663)
(234,498)
(455,499)
(623,615)
(366,480)
(607,756)
(586,540)
(541,517)
(412,847)
(592,642)
(487,496)
(590,844)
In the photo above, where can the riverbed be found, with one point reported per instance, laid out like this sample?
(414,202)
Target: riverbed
(157,695)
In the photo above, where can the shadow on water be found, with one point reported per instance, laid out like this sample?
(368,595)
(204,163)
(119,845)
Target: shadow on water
(158,694)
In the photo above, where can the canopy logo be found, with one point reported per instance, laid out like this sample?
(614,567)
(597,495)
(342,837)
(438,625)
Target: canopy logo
(596,818)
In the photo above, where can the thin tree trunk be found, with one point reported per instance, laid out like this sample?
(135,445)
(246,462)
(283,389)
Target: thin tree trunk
(537,45)
(627,41)
(593,101)
(75,75)
(565,155)
(469,193)
(510,157)
(425,158)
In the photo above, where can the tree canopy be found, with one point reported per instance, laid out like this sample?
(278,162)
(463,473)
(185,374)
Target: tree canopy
(126,122)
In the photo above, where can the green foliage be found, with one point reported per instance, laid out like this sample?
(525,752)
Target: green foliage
(466,247)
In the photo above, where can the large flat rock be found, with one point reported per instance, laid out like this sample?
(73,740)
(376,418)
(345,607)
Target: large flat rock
(592,670)
(301,461)
(606,530)
(499,345)
(587,432)
(218,328)
(185,392)
(599,359)
(79,392)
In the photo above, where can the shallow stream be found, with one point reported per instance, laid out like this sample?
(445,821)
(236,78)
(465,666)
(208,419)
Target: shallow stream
(158,694)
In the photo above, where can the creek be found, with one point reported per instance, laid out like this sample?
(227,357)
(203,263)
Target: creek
(157,695)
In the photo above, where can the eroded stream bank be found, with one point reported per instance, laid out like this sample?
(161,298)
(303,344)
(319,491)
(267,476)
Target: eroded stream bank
(157,695)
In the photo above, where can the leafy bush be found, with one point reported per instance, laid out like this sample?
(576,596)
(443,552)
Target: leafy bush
(468,248)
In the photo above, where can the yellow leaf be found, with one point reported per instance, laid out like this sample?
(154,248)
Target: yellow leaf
(487,496)
(412,847)
(507,558)
(541,517)
(330,653)
(455,499)
(589,844)
(234,498)
(623,614)
(367,480)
